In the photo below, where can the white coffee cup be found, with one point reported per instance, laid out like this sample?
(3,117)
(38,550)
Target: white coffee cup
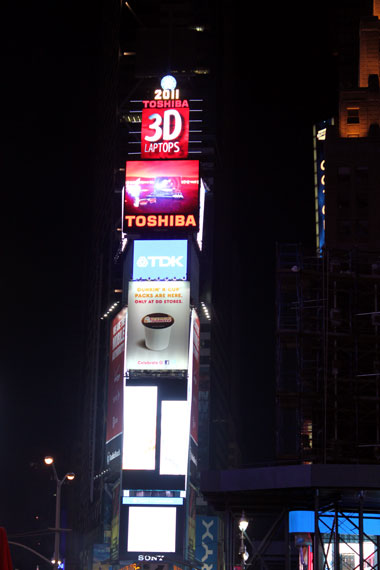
(157,328)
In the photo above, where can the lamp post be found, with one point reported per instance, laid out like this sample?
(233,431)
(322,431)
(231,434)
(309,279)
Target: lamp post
(243,553)
(69,476)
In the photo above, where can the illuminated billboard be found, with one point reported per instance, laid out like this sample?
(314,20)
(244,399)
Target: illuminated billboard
(152,529)
(165,115)
(174,448)
(159,259)
(195,376)
(161,195)
(151,533)
(202,197)
(158,325)
(139,445)
(155,436)
(165,129)
(115,376)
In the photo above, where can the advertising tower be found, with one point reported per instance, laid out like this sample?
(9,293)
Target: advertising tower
(158,336)
(156,407)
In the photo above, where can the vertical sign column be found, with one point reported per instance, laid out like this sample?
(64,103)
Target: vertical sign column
(115,390)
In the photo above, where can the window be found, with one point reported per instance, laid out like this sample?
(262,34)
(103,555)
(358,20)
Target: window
(362,200)
(344,173)
(361,176)
(347,561)
(352,115)
(362,229)
(343,200)
(344,228)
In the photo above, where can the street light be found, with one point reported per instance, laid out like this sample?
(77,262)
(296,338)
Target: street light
(243,553)
(70,476)
(243,522)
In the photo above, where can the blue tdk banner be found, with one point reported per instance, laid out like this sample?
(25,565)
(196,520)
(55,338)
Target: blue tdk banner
(160,259)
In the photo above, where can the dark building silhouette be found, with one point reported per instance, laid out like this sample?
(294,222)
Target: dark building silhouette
(327,304)
(327,351)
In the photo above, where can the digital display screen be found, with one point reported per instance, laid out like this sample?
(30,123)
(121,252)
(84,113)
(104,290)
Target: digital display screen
(139,437)
(175,433)
(202,197)
(161,195)
(152,529)
(195,375)
(116,375)
(165,132)
(158,325)
(159,259)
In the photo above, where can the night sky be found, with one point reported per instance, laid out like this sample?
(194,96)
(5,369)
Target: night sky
(48,107)
(48,99)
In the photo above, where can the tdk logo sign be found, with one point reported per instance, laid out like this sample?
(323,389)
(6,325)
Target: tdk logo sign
(160,259)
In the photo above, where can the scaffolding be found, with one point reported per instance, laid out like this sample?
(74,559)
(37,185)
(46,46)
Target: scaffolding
(304,517)
(328,356)
(344,540)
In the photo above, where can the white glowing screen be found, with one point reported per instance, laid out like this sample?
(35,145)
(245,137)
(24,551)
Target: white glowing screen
(175,432)
(139,438)
(202,192)
(151,529)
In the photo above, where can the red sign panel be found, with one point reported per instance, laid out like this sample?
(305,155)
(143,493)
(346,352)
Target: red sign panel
(116,375)
(161,195)
(165,131)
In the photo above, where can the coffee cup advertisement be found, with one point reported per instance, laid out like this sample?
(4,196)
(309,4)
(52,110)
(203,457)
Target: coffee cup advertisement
(158,325)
